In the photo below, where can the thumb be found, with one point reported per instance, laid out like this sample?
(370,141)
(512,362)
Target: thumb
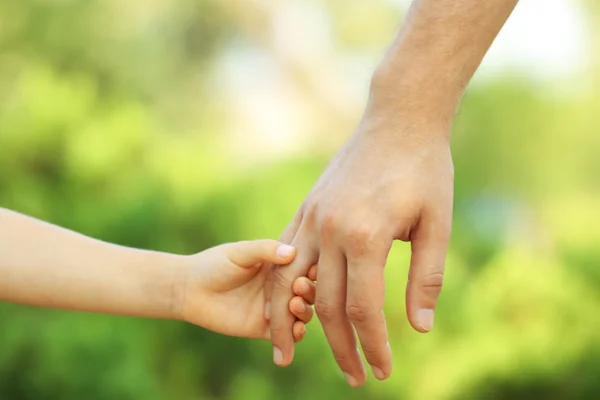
(429,247)
(247,254)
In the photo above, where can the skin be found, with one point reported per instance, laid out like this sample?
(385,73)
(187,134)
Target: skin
(221,289)
(392,180)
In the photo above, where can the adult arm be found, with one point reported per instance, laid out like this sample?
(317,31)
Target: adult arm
(392,180)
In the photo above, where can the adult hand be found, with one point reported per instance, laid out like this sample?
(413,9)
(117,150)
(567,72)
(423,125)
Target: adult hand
(392,180)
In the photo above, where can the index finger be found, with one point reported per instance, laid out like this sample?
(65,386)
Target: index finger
(286,237)
(282,320)
(364,307)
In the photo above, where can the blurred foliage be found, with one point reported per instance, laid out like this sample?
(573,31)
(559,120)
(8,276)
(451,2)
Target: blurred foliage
(110,124)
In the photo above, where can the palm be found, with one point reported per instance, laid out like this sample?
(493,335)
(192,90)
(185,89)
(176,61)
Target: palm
(235,296)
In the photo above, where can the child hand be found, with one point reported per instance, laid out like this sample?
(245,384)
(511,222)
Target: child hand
(222,289)
(305,290)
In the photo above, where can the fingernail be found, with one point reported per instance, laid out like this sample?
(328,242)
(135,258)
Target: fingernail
(378,373)
(425,319)
(268,310)
(277,356)
(302,307)
(351,380)
(284,251)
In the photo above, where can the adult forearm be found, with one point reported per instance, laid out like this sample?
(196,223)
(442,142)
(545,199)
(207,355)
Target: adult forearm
(440,45)
(45,265)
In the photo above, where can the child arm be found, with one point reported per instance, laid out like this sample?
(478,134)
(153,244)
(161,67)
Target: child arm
(44,265)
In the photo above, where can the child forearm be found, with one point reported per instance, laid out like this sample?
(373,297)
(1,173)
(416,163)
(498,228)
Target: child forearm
(44,265)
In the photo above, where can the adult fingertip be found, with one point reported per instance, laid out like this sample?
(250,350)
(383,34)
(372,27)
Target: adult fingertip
(352,381)
(358,379)
(383,370)
(278,357)
(424,320)
(378,372)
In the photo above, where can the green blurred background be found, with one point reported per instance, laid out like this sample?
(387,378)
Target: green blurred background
(178,125)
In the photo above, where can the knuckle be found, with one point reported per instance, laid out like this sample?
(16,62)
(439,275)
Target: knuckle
(371,354)
(340,358)
(357,313)
(280,282)
(325,311)
(330,223)
(359,233)
(359,238)
(432,281)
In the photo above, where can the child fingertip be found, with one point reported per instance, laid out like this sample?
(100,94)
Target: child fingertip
(299,331)
(299,305)
(285,251)
(300,286)
(297,287)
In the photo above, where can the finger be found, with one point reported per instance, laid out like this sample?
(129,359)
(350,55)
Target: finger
(429,246)
(281,318)
(301,309)
(306,289)
(312,273)
(330,305)
(364,305)
(249,253)
(287,237)
(298,331)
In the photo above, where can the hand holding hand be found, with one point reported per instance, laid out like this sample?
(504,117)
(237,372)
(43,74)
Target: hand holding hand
(223,289)
(393,180)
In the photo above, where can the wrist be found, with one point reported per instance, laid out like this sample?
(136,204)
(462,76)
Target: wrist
(165,283)
(401,114)
(414,96)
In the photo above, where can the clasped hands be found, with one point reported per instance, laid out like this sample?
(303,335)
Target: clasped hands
(393,180)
